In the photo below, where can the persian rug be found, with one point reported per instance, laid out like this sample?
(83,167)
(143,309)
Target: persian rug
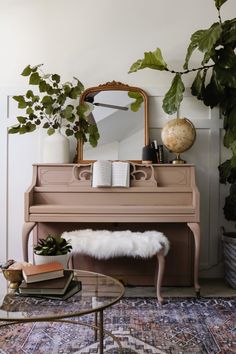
(181,325)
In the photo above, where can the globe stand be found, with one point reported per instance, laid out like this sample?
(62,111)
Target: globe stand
(178,160)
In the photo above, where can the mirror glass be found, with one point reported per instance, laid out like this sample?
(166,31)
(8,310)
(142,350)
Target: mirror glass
(123,132)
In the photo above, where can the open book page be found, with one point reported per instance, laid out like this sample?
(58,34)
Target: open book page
(120,174)
(102,173)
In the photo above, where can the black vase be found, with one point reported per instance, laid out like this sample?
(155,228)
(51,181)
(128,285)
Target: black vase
(149,154)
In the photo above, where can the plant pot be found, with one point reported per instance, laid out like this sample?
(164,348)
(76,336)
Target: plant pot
(56,148)
(63,259)
(229,251)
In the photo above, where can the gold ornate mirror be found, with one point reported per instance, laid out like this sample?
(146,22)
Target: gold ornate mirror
(123,132)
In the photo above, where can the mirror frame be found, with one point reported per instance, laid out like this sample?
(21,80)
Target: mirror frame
(115,86)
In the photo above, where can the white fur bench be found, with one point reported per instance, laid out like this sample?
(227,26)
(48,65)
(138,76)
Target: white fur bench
(104,244)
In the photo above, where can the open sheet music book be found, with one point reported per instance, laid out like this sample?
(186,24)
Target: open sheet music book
(111,174)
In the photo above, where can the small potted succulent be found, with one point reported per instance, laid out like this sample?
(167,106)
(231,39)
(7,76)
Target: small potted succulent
(51,249)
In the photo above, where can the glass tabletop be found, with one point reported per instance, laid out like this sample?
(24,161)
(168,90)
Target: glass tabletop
(98,292)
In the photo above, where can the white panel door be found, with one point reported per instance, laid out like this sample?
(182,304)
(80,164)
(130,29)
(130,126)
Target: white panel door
(18,153)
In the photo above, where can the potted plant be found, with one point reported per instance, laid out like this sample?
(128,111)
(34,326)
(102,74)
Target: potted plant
(53,107)
(51,249)
(215,85)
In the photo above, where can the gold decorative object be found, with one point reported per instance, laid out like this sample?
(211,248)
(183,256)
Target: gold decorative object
(14,276)
(178,135)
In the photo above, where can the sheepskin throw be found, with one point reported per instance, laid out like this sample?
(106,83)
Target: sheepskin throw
(104,244)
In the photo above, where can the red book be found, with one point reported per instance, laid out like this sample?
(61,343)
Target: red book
(42,272)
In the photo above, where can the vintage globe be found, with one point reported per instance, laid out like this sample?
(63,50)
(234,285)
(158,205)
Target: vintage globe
(178,135)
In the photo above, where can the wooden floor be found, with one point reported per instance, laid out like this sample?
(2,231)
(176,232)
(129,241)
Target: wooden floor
(209,288)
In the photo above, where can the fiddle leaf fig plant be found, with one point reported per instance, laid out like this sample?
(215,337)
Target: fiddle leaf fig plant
(138,100)
(55,105)
(214,84)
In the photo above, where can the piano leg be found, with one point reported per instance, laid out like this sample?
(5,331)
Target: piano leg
(195,228)
(161,268)
(27,228)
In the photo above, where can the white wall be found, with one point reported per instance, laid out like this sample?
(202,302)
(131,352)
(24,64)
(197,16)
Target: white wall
(97,41)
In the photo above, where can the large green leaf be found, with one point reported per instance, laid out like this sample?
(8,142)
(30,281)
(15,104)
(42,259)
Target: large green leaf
(138,97)
(226,77)
(69,132)
(214,93)
(228,138)
(34,79)
(233,147)
(79,84)
(224,171)
(21,119)
(21,101)
(50,131)
(192,46)
(47,100)
(56,78)
(75,92)
(233,164)
(219,3)
(30,127)
(42,86)
(174,96)
(198,85)
(211,54)
(27,71)
(93,135)
(152,60)
(231,120)
(230,204)
(226,57)
(14,130)
(229,32)
(68,111)
(209,37)
(23,129)
(81,109)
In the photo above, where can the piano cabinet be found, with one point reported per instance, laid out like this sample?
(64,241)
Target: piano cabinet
(161,197)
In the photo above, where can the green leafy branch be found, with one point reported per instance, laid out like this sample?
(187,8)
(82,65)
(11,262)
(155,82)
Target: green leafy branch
(51,108)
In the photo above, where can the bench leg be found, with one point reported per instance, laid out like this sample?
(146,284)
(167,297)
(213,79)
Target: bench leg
(27,228)
(161,268)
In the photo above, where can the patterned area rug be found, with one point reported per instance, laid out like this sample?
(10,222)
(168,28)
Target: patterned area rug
(193,326)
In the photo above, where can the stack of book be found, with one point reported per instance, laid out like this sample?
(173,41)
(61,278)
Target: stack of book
(48,280)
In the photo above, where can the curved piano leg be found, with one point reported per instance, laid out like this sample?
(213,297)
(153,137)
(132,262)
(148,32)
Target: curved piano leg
(161,268)
(195,228)
(27,228)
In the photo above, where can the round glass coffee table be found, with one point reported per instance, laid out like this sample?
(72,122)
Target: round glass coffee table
(98,292)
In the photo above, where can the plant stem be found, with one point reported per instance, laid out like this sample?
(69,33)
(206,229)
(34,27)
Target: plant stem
(219,17)
(189,70)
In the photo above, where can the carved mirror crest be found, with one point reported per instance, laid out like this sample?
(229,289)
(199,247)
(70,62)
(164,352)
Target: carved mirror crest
(123,132)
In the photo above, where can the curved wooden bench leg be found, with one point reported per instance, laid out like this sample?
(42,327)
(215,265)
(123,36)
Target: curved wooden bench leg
(27,228)
(161,268)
